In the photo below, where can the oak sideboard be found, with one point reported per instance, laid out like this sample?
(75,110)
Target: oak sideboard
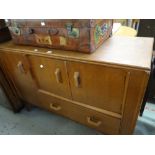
(103,90)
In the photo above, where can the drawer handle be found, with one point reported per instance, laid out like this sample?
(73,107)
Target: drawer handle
(58,75)
(93,121)
(55,107)
(21,67)
(77,79)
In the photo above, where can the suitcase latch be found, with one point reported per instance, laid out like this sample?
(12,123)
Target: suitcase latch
(69,27)
(15,30)
(72,32)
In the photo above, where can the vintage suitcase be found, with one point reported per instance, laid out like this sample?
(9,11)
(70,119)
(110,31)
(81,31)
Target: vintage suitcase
(83,35)
(4,31)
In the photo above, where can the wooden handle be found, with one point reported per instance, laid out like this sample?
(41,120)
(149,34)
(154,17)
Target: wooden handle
(93,122)
(55,107)
(21,67)
(77,79)
(58,75)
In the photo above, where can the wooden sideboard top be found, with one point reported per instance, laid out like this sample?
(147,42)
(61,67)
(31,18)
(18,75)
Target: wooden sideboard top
(135,52)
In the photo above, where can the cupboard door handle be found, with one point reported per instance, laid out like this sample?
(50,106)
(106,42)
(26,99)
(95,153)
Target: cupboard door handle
(21,67)
(55,107)
(58,75)
(93,122)
(77,79)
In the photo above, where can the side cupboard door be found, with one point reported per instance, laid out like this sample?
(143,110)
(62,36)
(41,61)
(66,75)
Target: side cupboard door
(19,73)
(98,86)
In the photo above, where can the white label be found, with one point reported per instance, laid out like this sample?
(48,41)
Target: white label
(42,23)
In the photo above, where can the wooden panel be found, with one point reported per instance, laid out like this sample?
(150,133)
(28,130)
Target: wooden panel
(135,93)
(7,86)
(91,118)
(50,75)
(99,86)
(18,69)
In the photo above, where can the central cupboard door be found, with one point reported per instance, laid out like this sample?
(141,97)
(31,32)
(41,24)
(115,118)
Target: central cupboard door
(50,76)
(98,86)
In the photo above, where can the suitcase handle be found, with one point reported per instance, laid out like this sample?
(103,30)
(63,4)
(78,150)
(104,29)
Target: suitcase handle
(53,31)
(50,32)
(31,31)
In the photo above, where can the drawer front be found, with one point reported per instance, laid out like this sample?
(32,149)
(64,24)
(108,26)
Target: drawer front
(91,118)
(50,75)
(98,86)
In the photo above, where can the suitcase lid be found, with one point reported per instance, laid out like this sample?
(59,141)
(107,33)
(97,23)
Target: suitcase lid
(54,23)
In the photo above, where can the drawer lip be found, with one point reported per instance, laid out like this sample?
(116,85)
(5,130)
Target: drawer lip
(105,112)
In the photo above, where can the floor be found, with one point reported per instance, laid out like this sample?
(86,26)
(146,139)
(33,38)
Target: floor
(40,122)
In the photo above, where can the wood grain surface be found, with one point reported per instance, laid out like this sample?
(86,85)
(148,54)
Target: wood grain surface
(103,90)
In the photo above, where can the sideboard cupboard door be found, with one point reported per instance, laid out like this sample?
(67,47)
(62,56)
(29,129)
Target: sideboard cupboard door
(50,76)
(18,70)
(98,86)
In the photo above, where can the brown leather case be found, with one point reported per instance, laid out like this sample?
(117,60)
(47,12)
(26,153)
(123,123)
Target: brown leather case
(83,35)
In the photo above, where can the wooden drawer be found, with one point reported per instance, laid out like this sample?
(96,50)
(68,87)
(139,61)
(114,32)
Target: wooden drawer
(91,118)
